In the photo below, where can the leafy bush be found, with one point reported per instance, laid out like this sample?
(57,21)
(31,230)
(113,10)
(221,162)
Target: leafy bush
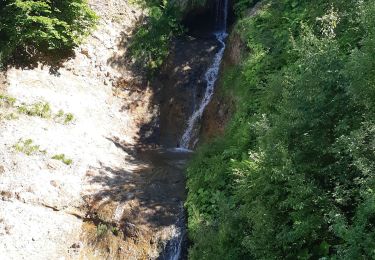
(49,24)
(241,6)
(149,46)
(7,101)
(40,109)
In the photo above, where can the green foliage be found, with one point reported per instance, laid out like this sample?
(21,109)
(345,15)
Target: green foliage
(48,24)
(149,46)
(241,6)
(293,176)
(63,117)
(40,109)
(115,231)
(8,116)
(101,230)
(61,157)
(7,101)
(27,147)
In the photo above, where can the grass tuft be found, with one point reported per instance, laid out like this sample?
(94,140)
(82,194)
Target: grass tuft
(27,147)
(61,157)
(101,230)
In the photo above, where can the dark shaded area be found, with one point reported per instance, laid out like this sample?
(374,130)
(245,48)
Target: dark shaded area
(28,58)
(179,85)
(125,60)
(158,187)
(201,21)
(179,245)
(157,184)
(182,83)
(177,89)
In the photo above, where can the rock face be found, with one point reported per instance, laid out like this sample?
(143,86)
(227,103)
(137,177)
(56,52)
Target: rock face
(79,189)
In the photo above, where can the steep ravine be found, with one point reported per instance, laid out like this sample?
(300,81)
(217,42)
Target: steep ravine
(149,206)
(122,196)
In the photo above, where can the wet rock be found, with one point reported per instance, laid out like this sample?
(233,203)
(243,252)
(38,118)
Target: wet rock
(181,83)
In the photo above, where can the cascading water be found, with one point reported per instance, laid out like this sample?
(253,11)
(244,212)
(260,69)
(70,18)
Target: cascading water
(211,74)
(173,249)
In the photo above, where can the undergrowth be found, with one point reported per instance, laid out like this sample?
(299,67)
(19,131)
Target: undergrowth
(62,158)
(28,147)
(43,25)
(38,109)
(293,176)
(149,46)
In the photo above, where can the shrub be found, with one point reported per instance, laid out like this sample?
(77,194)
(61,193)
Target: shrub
(40,109)
(150,43)
(293,176)
(27,147)
(63,117)
(101,230)
(7,101)
(44,25)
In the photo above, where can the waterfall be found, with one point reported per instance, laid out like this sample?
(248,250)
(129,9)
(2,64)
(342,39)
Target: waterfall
(211,73)
(173,248)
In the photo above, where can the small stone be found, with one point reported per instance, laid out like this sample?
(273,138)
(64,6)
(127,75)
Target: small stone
(2,169)
(87,52)
(53,165)
(55,183)
(75,245)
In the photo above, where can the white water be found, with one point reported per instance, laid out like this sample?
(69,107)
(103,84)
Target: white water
(179,150)
(210,76)
(174,247)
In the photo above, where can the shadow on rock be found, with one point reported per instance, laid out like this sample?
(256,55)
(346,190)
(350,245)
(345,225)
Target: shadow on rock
(148,193)
(30,58)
